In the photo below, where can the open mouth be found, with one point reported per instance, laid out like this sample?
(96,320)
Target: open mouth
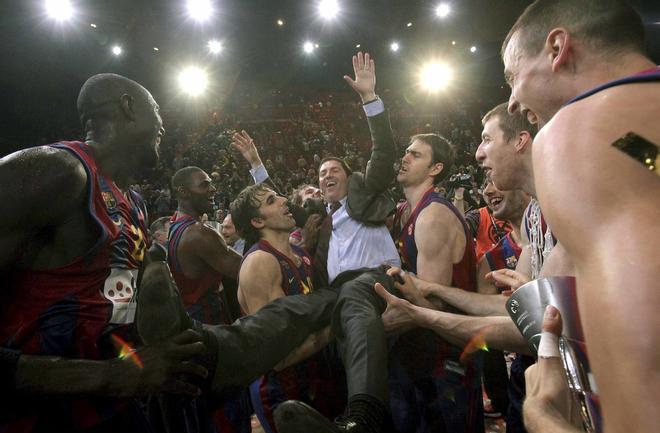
(495,202)
(330,183)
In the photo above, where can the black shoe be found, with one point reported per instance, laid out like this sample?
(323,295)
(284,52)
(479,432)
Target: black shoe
(297,417)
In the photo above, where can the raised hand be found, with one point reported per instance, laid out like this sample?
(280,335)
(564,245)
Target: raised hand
(242,142)
(365,77)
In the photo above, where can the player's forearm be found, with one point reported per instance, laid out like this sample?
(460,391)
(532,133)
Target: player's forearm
(496,332)
(313,344)
(53,376)
(475,304)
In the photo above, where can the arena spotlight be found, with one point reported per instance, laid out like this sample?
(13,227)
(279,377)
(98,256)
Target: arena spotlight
(394,46)
(473,49)
(59,10)
(92,25)
(328,9)
(435,76)
(308,47)
(193,81)
(116,50)
(442,10)
(200,10)
(214,46)
(409,25)
(280,22)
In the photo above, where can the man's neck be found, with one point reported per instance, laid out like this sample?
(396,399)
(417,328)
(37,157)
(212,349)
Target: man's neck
(515,224)
(188,210)
(109,163)
(415,193)
(279,240)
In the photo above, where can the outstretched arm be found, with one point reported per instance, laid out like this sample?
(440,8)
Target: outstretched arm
(380,168)
(495,332)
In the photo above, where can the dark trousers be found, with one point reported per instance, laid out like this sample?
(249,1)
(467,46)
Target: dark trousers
(357,323)
(253,345)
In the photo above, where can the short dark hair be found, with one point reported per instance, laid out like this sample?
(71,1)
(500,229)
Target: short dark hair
(182,177)
(243,209)
(510,124)
(611,25)
(441,151)
(343,164)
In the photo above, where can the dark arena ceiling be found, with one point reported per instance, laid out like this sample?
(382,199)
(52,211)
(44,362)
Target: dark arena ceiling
(45,61)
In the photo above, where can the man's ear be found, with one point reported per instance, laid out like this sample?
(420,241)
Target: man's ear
(437,169)
(523,142)
(558,45)
(127,104)
(257,223)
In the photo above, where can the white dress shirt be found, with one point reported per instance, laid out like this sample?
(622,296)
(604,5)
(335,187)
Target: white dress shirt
(353,245)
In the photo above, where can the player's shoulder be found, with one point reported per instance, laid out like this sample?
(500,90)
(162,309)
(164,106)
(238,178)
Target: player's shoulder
(435,218)
(260,263)
(49,177)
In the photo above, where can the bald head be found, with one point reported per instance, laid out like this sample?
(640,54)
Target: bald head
(101,95)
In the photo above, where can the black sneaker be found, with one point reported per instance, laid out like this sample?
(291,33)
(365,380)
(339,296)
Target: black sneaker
(297,417)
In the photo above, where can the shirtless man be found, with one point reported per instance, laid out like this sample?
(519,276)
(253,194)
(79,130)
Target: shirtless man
(272,269)
(555,52)
(441,393)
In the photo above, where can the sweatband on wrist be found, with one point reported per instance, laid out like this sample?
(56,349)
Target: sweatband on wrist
(549,345)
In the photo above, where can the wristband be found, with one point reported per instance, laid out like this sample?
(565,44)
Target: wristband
(549,345)
(370,101)
(8,364)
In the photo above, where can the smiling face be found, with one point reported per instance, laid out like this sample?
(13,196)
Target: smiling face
(534,87)
(228,231)
(497,156)
(417,165)
(333,181)
(505,205)
(200,192)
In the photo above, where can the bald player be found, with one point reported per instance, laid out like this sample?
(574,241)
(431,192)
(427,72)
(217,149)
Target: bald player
(581,69)
(73,240)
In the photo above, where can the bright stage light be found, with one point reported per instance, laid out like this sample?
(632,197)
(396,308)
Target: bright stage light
(215,46)
(308,47)
(193,81)
(280,22)
(409,25)
(358,46)
(435,76)
(328,9)
(92,25)
(200,10)
(473,49)
(116,50)
(60,10)
(453,42)
(394,46)
(442,10)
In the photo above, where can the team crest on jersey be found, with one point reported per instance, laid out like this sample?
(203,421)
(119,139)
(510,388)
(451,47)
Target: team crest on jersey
(511,262)
(306,260)
(410,229)
(109,199)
